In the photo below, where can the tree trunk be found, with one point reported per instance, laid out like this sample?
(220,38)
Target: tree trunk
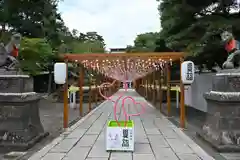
(49,82)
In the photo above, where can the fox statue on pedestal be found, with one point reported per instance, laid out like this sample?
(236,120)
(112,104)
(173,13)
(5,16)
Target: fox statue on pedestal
(231,46)
(9,53)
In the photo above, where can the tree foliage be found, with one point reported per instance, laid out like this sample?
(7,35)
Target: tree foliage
(45,34)
(148,42)
(195,27)
(90,42)
(35,54)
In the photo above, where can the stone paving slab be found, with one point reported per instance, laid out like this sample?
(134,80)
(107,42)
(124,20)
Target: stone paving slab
(156,138)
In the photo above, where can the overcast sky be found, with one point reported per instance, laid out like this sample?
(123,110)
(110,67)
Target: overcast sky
(118,21)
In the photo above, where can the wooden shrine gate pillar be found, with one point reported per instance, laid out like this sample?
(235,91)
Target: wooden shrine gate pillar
(182,101)
(96,89)
(154,88)
(65,107)
(90,92)
(150,87)
(141,88)
(168,90)
(160,89)
(81,83)
(134,84)
(146,87)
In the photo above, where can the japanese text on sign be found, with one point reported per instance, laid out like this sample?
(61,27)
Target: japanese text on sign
(189,72)
(125,141)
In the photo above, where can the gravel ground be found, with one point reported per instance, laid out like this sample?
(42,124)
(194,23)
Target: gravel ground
(51,115)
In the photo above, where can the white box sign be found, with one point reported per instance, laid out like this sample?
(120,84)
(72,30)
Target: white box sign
(120,138)
(187,72)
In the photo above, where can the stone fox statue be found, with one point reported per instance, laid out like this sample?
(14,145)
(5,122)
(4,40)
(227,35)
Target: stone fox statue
(233,60)
(9,53)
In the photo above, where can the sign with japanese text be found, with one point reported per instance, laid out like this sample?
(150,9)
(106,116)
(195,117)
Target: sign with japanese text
(120,138)
(187,72)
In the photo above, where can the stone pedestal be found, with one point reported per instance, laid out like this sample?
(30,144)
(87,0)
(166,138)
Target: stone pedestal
(222,126)
(20,125)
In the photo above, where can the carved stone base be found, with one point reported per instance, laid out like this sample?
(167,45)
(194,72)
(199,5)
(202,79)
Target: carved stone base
(15,83)
(222,125)
(20,125)
(221,128)
(11,72)
(222,141)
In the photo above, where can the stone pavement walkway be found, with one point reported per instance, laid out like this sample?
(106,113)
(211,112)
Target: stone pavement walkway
(156,138)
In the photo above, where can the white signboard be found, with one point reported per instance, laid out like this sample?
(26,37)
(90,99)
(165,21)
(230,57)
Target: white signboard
(187,72)
(120,138)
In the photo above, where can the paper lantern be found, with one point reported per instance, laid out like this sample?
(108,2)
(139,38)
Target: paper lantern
(187,72)
(60,74)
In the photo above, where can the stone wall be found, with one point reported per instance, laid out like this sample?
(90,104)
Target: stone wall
(194,93)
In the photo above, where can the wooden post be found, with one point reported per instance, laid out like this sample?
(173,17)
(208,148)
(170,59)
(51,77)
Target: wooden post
(160,91)
(100,81)
(134,84)
(137,85)
(119,84)
(143,88)
(114,87)
(81,83)
(104,88)
(154,88)
(90,93)
(146,87)
(182,103)
(96,89)
(65,107)
(150,87)
(109,89)
(168,90)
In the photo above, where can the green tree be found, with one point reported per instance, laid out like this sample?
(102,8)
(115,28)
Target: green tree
(90,42)
(45,34)
(161,46)
(145,42)
(41,19)
(35,55)
(86,47)
(195,27)
(35,19)
(148,42)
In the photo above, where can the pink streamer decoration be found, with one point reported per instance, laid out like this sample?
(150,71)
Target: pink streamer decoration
(126,115)
(131,72)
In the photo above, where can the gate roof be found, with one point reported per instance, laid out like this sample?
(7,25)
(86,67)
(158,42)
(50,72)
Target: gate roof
(125,66)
